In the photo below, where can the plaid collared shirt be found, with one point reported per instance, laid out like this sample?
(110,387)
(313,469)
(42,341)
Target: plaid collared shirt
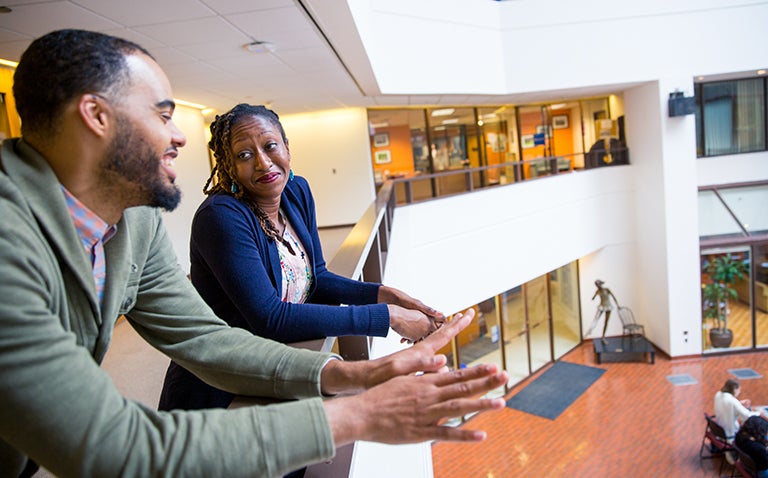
(94,232)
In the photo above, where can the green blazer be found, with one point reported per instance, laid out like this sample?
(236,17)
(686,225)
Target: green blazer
(60,408)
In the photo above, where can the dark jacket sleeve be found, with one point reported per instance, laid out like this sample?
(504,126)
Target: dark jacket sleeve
(236,269)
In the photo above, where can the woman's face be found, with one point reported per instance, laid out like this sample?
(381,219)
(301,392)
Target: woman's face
(262,159)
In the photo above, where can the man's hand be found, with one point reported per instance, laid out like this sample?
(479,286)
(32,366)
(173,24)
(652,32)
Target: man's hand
(411,408)
(343,377)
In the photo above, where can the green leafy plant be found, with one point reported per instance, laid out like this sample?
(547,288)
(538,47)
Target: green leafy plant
(723,272)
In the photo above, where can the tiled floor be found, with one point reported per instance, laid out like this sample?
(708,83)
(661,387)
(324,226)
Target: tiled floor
(631,422)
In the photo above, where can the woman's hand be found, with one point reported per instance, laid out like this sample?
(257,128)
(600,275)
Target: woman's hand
(406,314)
(412,325)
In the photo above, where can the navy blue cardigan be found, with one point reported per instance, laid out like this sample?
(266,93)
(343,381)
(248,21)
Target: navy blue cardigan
(236,269)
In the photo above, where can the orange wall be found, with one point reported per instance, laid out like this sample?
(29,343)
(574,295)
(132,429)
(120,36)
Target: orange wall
(399,149)
(561,141)
(6,86)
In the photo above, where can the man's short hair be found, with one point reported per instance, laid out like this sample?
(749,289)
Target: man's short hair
(65,64)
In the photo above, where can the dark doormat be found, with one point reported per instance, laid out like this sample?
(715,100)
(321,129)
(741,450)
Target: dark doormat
(554,391)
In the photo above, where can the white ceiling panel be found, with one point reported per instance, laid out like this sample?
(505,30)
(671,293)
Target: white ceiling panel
(8,35)
(194,32)
(263,23)
(38,19)
(310,59)
(239,6)
(147,12)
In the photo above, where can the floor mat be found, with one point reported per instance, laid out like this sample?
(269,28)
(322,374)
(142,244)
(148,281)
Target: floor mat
(551,393)
(744,373)
(682,379)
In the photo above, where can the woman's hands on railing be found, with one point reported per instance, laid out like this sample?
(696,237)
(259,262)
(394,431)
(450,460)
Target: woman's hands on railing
(411,324)
(410,317)
(401,406)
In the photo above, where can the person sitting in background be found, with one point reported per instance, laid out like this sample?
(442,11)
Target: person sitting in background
(256,257)
(82,242)
(752,439)
(729,410)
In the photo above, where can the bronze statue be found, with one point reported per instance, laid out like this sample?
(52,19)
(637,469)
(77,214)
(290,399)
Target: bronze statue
(604,306)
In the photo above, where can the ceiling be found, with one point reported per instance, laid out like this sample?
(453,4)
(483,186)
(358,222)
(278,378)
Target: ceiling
(318,62)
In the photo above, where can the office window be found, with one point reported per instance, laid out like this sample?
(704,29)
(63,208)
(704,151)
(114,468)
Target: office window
(730,117)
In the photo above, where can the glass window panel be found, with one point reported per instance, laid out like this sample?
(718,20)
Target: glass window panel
(537,301)
(760,294)
(480,342)
(721,309)
(714,219)
(451,130)
(748,204)
(398,143)
(515,336)
(733,116)
(564,290)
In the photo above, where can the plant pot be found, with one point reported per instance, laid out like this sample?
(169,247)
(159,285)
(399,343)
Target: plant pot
(720,338)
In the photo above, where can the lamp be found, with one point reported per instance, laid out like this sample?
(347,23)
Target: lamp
(680,105)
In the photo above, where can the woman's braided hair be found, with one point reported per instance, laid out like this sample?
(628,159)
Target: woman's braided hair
(224,174)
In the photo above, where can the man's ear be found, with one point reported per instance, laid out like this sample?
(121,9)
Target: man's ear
(96,113)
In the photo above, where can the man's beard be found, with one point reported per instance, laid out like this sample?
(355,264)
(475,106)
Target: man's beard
(133,160)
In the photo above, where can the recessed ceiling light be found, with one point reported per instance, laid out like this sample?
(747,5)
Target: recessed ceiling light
(443,112)
(259,47)
(451,121)
(760,72)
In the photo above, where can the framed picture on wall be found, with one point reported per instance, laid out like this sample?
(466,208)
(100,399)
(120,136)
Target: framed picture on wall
(526,141)
(559,121)
(381,140)
(382,157)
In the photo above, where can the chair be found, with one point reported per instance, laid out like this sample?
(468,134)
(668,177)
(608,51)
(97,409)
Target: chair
(714,439)
(628,322)
(744,465)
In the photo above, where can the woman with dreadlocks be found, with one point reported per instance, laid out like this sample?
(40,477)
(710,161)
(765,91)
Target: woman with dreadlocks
(256,257)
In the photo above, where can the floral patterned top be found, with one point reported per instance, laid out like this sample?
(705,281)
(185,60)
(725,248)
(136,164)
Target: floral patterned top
(297,277)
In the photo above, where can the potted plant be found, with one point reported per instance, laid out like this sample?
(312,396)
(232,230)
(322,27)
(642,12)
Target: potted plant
(722,273)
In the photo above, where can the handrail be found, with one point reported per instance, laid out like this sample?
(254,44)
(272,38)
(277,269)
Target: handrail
(362,256)
(480,177)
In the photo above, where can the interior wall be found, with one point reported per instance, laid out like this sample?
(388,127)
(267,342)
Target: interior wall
(732,168)
(678,136)
(192,170)
(629,42)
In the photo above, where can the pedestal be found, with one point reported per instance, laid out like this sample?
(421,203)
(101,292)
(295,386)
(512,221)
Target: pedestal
(625,348)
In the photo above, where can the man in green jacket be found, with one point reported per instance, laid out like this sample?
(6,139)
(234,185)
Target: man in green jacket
(82,242)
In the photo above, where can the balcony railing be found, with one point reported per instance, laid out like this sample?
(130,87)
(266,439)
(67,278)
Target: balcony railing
(424,187)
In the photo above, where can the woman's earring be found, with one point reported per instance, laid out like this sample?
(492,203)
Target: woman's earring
(290,175)
(233,188)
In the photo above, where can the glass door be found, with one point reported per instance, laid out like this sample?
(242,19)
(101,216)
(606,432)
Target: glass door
(566,315)
(726,299)
(760,294)
(537,306)
(515,336)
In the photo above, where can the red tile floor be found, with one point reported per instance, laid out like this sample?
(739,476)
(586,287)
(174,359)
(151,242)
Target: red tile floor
(631,422)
